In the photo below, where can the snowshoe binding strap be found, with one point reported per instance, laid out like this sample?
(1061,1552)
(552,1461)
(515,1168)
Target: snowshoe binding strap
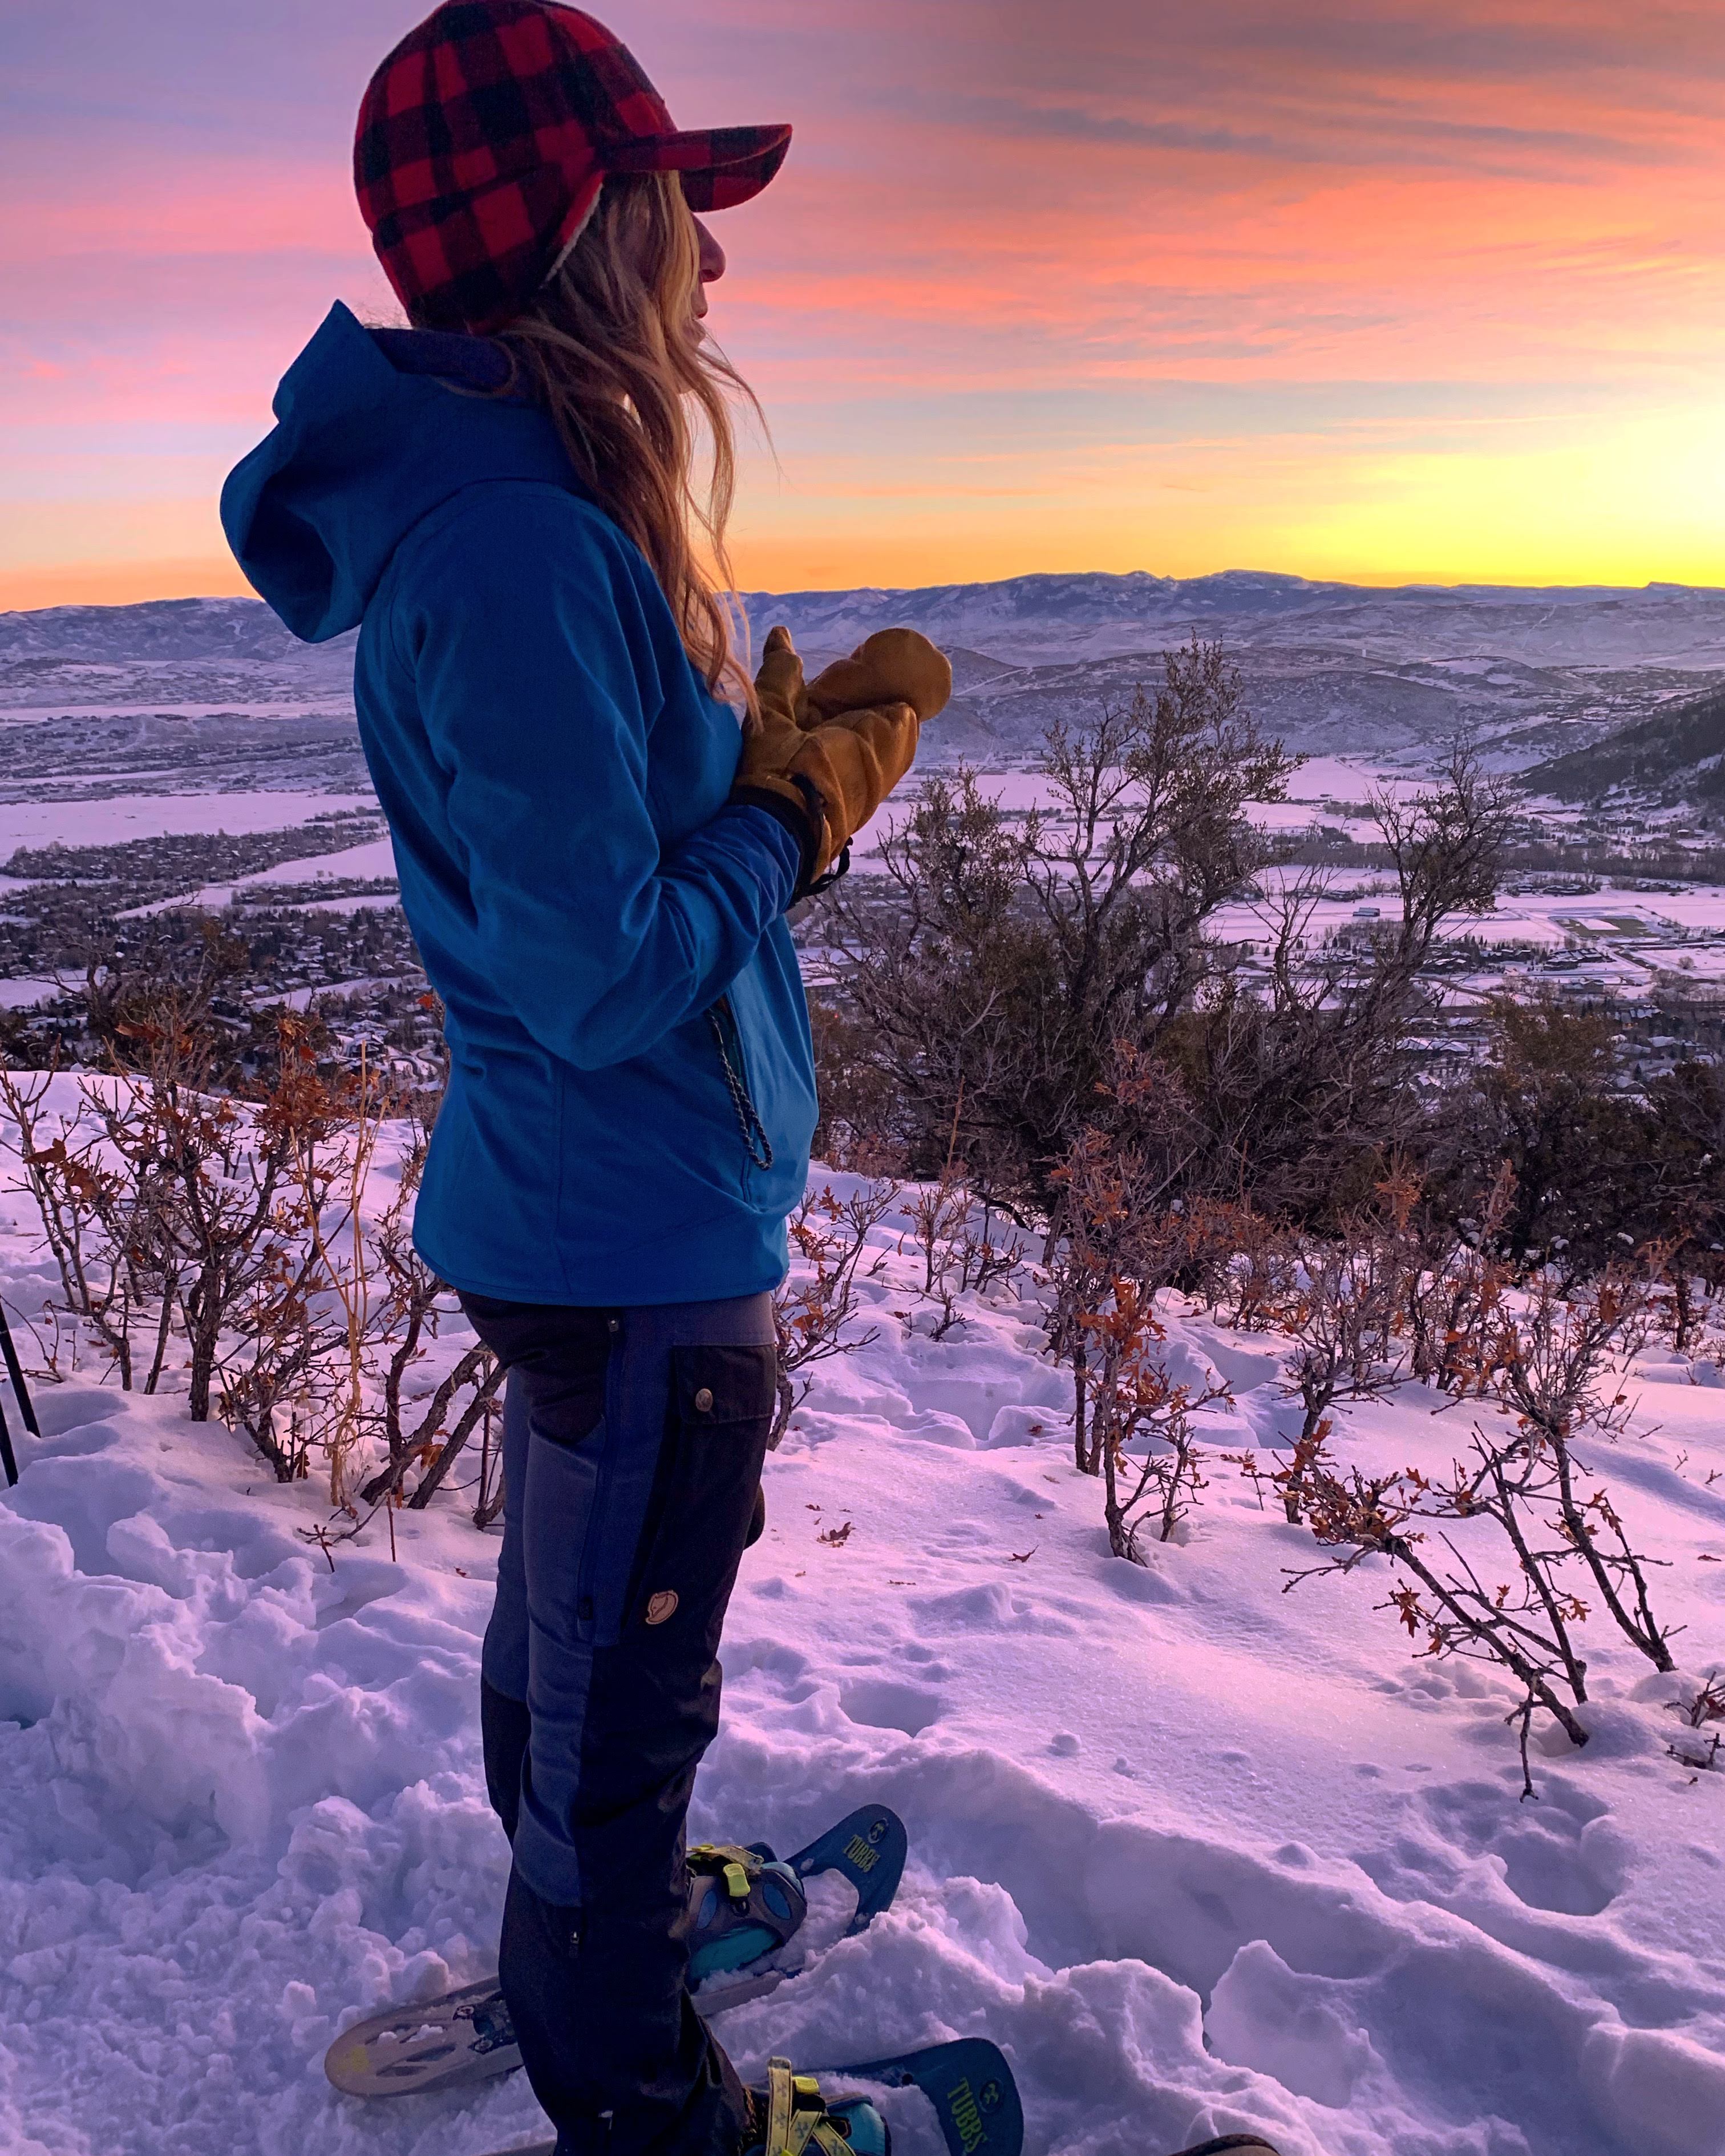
(744,1904)
(797,2119)
(737,1867)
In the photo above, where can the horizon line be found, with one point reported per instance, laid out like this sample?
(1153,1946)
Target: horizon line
(1397,582)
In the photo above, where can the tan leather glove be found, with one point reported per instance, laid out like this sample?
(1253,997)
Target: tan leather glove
(779,688)
(893,666)
(825,778)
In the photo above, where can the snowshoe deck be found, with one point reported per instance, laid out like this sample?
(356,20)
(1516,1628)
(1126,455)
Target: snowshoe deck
(466,2036)
(970,2085)
(451,2042)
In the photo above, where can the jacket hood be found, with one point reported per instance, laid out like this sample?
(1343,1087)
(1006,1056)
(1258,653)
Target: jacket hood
(374,429)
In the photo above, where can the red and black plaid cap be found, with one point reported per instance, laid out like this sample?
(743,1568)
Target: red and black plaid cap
(484,140)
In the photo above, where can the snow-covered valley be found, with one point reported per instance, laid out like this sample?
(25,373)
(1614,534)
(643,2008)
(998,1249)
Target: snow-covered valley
(1202,1854)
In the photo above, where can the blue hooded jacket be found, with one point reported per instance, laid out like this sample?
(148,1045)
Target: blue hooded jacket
(605,932)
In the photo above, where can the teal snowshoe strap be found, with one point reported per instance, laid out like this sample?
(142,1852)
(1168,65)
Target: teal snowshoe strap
(743,1904)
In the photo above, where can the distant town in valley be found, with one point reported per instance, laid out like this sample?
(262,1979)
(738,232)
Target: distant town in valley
(182,769)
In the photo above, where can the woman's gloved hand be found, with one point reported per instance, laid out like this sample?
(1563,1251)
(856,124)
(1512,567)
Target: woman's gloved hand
(822,776)
(893,666)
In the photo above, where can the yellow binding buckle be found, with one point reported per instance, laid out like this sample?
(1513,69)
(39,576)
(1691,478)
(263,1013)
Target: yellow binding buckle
(795,2114)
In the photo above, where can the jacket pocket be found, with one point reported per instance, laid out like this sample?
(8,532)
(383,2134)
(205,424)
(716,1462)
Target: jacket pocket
(703,1498)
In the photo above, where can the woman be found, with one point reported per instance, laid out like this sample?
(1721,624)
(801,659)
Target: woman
(597,865)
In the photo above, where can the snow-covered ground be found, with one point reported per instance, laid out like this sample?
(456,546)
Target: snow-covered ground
(1202,1855)
(1548,919)
(156,815)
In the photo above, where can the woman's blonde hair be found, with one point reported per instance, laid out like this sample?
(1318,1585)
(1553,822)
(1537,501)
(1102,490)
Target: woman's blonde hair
(607,348)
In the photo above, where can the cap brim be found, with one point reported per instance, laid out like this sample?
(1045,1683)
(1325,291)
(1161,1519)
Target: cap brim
(719,166)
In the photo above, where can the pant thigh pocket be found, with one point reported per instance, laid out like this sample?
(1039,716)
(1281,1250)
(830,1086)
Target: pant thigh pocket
(703,1499)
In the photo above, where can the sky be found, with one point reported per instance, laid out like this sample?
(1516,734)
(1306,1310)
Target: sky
(1383,291)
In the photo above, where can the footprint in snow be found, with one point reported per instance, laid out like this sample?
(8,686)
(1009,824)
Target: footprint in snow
(1567,1857)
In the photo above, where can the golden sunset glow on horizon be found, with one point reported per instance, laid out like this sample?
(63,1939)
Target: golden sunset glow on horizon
(1374,292)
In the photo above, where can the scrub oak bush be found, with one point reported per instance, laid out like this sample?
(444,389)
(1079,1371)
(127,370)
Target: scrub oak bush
(1113,1231)
(964,1246)
(829,1238)
(219,1234)
(988,992)
(1507,1555)
(1342,1307)
(1116,1244)
(984,980)
(1140,1429)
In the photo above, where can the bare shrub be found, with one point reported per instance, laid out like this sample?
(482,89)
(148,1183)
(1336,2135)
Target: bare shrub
(1522,1625)
(829,1236)
(412,1297)
(490,1489)
(96,1220)
(475,1382)
(965,1249)
(1241,1264)
(215,1170)
(1706,1703)
(1552,1366)
(855,1095)
(1558,1537)
(1303,1076)
(1137,1404)
(392,1307)
(1343,1311)
(1110,1227)
(236,1227)
(276,1381)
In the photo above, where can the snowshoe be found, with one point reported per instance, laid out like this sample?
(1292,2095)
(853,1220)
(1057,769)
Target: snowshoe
(967,2081)
(970,2085)
(790,2115)
(746,1903)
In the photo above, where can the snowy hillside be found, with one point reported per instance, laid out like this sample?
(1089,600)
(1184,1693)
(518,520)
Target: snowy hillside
(1674,755)
(1201,1853)
(190,656)
(1031,619)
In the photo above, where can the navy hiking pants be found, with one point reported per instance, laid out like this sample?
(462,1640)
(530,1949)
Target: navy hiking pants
(633,1445)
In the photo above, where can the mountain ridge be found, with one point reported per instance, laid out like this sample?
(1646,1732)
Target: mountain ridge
(1140,596)
(1535,670)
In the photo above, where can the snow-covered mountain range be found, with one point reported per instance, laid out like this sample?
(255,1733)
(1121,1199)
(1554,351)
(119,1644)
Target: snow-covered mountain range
(1330,666)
